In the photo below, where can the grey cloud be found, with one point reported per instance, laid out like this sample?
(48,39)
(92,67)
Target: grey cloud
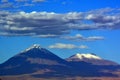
(79,37)
(101,18)
(16,4)
(50,24)
(6,5)
(107,18)
(39,23)
(94,38)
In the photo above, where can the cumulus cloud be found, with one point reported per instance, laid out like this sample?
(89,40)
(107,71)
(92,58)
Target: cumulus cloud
(39,23)
(79,37)
(67,46)
(50,24)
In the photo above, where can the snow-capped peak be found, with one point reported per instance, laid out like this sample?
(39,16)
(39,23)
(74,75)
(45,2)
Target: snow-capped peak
(87,56)
(37,46)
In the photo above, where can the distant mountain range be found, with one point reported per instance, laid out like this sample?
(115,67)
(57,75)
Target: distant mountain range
(40,63)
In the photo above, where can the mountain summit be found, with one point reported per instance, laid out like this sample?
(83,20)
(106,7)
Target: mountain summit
(85,56)
(31,60)
(90,58)
(34,46)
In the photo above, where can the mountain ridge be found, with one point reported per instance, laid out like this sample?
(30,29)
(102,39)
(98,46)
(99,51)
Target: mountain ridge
(46,64)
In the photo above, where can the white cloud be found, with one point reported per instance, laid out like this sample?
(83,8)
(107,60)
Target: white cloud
(67,46)
(47,36)
(92,38)
(83,47)
(79,37)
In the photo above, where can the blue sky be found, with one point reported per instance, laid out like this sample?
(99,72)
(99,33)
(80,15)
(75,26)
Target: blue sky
(65,27)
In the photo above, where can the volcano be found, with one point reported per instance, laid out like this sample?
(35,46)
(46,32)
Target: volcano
(38,62)
(32,60)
